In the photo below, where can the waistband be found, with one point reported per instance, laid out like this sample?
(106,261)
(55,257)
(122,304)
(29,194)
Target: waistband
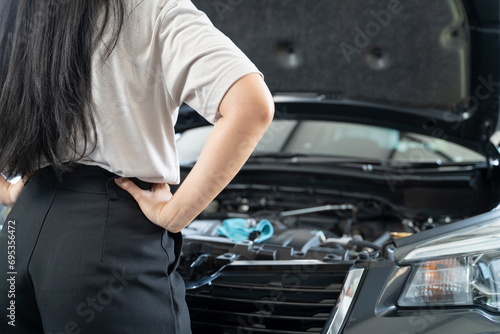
(86,179)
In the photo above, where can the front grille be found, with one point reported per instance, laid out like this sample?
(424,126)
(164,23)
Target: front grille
(251,298)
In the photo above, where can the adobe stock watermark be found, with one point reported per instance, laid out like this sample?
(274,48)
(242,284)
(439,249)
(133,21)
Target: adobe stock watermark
(10,226)
(88,309)
(404,167)
(224,6)
(420,320)
(364,35)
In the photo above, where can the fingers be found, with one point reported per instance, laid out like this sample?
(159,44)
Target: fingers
(151,202)
(10,192)
(14,192)
(131,188)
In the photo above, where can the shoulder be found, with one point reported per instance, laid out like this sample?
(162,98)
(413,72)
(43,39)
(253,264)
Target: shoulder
(154,9)
(166,7)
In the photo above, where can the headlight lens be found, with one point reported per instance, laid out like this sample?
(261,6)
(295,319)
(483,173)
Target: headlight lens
(455,281)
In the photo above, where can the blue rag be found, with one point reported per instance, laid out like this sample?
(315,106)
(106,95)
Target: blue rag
(237,229)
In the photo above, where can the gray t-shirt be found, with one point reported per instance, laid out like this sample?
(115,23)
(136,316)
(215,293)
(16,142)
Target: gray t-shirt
(168,53)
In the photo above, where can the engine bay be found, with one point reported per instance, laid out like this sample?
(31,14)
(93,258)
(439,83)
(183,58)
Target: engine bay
(309,223)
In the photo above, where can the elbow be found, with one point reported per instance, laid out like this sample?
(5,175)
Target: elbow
(264,113)
(269,109)
(265,101)
(260,111)
(255,115)
(249,102)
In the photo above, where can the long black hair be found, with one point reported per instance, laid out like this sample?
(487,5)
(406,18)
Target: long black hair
(46,48)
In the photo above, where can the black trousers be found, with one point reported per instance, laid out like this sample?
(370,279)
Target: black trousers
(78,256)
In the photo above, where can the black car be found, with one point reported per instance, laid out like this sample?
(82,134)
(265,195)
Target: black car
(370,206)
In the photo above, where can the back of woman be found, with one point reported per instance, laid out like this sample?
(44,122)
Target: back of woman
(90,92)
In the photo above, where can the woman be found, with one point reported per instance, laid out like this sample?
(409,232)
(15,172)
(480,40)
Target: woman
(89,96)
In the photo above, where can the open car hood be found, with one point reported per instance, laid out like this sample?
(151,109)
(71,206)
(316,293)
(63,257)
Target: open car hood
(430,67)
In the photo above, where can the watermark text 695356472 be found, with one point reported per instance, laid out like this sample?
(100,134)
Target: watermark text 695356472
(11,271)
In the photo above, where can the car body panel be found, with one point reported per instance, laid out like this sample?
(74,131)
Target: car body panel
(367,315)
(438,62)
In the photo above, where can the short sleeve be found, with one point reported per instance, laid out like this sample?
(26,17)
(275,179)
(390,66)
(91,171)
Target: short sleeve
(199,62)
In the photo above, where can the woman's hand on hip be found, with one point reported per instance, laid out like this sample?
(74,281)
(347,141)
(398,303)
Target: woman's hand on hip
(151,201)
(246,111)
(9,192)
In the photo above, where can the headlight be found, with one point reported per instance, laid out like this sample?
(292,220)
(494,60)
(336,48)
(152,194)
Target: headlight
(461,268)
(455,281)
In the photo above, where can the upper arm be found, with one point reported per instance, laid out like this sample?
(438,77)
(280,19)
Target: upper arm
(199,63)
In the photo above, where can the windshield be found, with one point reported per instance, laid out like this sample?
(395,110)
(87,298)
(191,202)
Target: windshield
(337,139)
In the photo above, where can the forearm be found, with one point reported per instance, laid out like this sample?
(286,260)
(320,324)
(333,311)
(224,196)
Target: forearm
(230,144)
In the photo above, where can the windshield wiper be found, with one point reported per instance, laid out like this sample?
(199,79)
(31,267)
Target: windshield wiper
(281,155)
(366,164)
(314,158)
